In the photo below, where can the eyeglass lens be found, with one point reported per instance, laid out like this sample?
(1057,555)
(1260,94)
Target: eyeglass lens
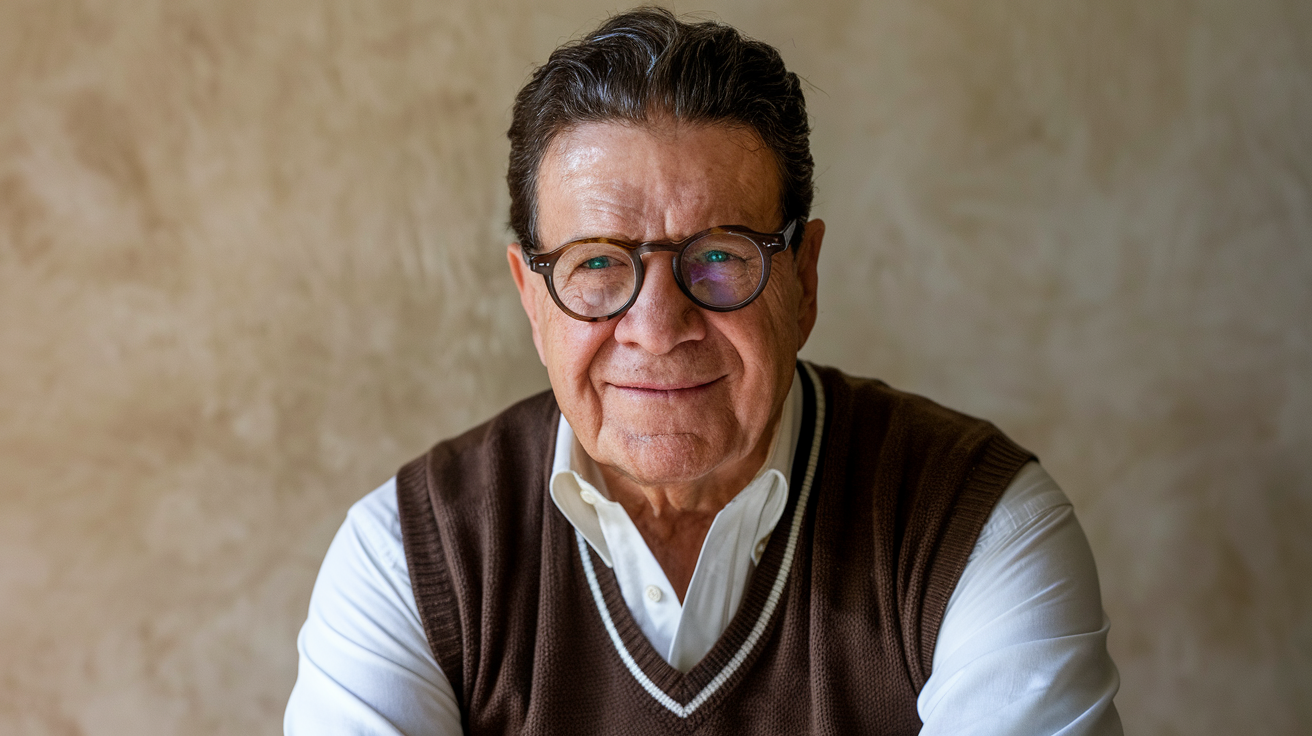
(594,279)
(598,279)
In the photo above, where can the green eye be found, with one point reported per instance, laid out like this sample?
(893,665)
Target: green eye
(598,262)
(716,256)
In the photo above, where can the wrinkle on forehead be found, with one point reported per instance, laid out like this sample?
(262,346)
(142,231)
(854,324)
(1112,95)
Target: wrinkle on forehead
(655,182)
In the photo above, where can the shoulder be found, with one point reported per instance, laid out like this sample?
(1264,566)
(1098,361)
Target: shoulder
(463,468)
(363,584)
(1030,497)
(367,554)
(375,523)
(875,397)
(471,511)
(1031,565)
(524,420)
(480,492)
(909,425)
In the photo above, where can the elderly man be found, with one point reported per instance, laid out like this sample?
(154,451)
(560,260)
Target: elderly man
(692,531)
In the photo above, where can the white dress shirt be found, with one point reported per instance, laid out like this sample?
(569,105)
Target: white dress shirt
(1021,648)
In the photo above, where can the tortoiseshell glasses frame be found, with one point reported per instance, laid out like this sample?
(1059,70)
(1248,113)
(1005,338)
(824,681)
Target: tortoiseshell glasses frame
(720,269)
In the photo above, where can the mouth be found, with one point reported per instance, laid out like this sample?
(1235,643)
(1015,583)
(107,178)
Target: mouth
(666,390)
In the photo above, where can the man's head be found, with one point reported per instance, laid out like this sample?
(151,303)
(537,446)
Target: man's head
(650,129)
(646,66)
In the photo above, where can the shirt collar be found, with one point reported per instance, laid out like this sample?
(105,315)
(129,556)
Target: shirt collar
(574,474)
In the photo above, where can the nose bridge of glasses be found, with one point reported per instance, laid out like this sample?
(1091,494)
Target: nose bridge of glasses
(651,247)
(657,246)
(646,268)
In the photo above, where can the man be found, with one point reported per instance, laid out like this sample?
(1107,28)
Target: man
(694,532)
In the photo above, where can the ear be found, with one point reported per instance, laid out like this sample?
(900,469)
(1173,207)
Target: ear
(806,260)
(530,287)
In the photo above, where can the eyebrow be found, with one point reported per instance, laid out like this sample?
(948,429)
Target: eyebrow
(739,221)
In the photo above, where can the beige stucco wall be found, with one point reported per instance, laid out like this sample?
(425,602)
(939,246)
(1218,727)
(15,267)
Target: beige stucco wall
(251,260)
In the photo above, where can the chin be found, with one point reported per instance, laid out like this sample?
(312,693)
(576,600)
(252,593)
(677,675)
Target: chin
(667,458)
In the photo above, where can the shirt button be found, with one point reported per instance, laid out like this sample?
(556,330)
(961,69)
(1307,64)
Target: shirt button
(588,497)
(760,546)
(653,594)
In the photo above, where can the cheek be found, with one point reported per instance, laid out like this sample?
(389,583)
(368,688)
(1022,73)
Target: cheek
(765,336)
(769,344)
(570,347)
(778,320)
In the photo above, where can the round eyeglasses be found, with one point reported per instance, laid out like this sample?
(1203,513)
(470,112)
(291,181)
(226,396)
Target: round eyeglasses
(720,269)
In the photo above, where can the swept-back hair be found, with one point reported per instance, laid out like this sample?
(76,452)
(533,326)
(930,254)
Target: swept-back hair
(644,66)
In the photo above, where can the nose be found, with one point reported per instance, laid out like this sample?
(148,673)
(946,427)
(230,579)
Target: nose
(662,317)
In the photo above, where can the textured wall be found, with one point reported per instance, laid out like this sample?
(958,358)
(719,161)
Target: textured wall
(251,260)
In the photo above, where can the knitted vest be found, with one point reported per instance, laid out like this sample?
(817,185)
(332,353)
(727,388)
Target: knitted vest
(835,633)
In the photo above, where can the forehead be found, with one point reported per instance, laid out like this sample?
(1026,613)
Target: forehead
(654,182)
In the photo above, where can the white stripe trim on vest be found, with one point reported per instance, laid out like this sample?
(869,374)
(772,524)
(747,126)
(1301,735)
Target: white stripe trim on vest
(771,602)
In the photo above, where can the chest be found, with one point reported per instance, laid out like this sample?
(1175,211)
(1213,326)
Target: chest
(807,650)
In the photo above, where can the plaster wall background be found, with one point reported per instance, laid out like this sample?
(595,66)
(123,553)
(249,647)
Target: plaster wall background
(251,261)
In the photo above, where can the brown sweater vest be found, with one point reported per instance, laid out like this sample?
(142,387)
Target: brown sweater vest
(835,634)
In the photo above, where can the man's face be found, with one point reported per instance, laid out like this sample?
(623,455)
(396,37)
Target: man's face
(668,393)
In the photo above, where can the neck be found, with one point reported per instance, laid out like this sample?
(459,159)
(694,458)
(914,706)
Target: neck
(674,518)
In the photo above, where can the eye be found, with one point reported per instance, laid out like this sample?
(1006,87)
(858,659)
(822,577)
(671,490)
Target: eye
(715,256)
(597,262)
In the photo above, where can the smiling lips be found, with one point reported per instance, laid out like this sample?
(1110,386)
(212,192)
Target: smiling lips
(664,390)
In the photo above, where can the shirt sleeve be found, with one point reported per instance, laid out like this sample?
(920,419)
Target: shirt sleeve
(365,665)
(1022,649)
